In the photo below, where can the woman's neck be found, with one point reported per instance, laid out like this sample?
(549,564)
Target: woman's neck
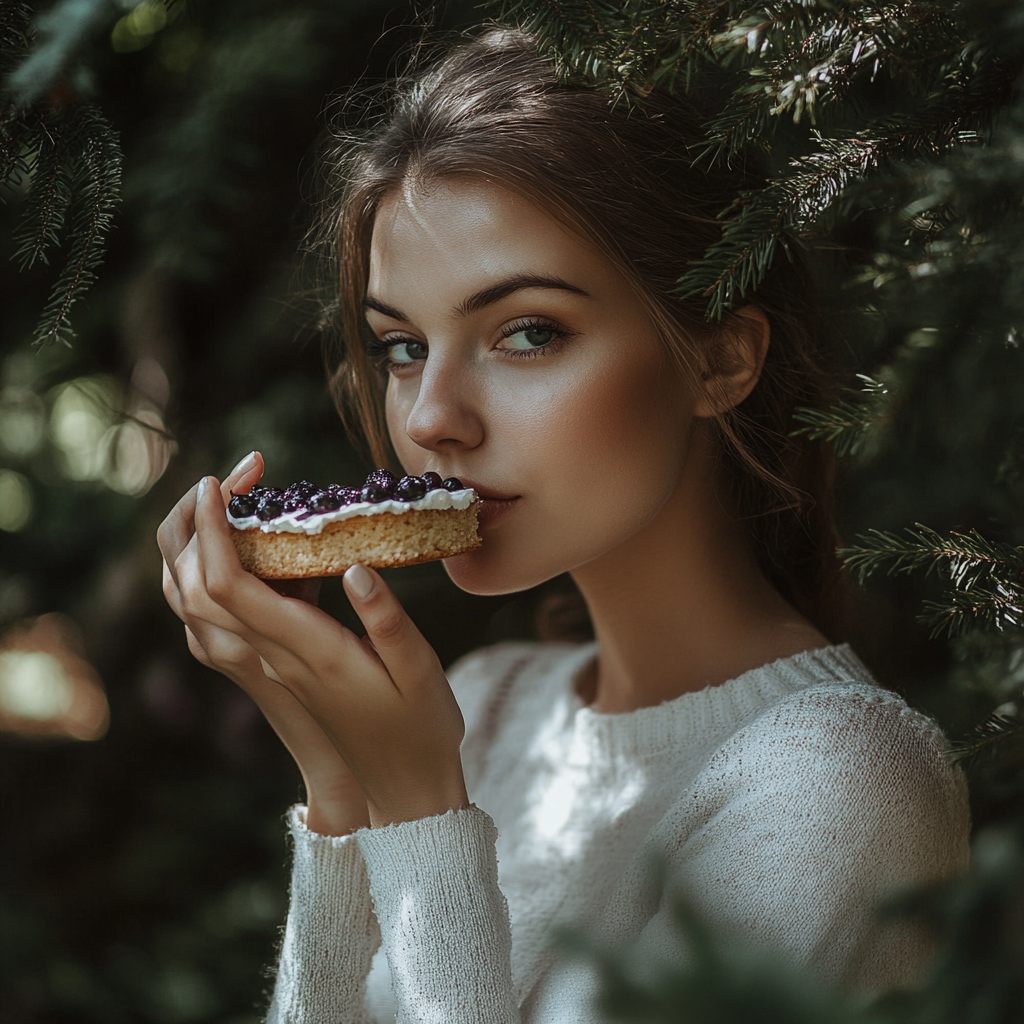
(683,604)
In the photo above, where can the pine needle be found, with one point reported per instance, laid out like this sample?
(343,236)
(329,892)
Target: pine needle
(847,424)
(985,578)
(1003,724)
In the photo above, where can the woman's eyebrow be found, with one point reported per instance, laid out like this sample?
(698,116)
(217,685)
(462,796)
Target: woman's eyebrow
(484,297)
(497,292)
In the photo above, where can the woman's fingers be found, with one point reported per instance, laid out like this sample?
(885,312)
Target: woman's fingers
(279,631)
(400,645)
(176,530)
(283,632)
(222,575)
(302,590)
(171,592)
(248,472)
(383,703)
(213,629)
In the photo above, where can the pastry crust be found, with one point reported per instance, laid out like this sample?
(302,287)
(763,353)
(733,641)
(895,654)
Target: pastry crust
(384,540)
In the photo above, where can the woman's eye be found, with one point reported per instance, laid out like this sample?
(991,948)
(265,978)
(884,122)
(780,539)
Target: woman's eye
(407,351)
(530,337)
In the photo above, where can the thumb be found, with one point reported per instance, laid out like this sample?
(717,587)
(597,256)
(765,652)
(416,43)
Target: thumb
(400,645)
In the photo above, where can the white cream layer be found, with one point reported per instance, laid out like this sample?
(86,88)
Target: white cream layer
(291,523)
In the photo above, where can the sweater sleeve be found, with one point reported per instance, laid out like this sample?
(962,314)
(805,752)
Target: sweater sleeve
(444,921)
(434,886)
(806,823)
(331,934)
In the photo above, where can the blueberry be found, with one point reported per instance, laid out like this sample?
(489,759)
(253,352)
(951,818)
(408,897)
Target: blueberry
(453,483)
(374,493)
(432,480)
(301,489)
(324,501)
(410,488)
(383,478)
(271,506)
(243,505)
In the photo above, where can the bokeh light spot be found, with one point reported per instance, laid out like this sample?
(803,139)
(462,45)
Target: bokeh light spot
(127,450)
(47,688)
(34,685)
(137,28)
(22,421)
(15,501)
(79,420)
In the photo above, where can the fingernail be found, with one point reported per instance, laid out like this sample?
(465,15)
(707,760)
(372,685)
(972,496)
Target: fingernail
(360,582)
(243,464)
(201,489)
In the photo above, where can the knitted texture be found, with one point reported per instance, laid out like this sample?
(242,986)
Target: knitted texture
(442,870)
(331,933)
(787,805)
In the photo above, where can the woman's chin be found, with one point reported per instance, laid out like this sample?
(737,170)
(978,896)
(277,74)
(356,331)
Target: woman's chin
(488,575)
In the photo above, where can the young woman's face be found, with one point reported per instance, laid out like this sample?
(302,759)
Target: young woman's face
(521,361)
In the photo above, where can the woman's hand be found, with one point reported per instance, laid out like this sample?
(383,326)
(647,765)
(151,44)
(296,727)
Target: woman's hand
(383,700)
(336,803)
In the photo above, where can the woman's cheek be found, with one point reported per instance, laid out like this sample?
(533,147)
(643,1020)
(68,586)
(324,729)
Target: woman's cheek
(596,465)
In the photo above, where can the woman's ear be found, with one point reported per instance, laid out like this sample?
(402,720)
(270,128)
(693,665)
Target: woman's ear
(735,361)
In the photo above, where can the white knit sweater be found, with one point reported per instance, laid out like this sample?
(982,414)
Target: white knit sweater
(788,802)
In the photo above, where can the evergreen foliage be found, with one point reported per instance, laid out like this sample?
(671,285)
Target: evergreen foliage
(848,424)
(58,149)
(985,577)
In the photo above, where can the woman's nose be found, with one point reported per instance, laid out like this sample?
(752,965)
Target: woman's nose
(445,413)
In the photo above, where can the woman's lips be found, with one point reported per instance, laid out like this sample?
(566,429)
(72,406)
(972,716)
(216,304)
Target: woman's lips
(492,506)
(491,511)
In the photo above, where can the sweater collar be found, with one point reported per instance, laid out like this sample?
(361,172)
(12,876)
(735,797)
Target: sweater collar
(705,714)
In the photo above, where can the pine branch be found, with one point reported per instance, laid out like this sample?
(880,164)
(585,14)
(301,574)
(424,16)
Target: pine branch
(15,41)
(48,198)
(848,423)
(15,33)
(966,558)
(985,603)
(773,218)
(778,215)
(625,47)
(14,142)
(1003,724)
(799,61)
(97,192)
(986,578)
(737,263)
(576,33)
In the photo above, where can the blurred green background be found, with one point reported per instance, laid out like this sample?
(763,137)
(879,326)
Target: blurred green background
(143,871)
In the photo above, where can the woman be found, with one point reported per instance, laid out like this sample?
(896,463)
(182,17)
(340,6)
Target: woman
(507,249)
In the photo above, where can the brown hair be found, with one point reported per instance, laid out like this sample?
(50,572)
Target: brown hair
(620,175)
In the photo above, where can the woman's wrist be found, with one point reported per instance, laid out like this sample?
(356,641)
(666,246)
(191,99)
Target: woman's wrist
(420,802)
(335,807)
